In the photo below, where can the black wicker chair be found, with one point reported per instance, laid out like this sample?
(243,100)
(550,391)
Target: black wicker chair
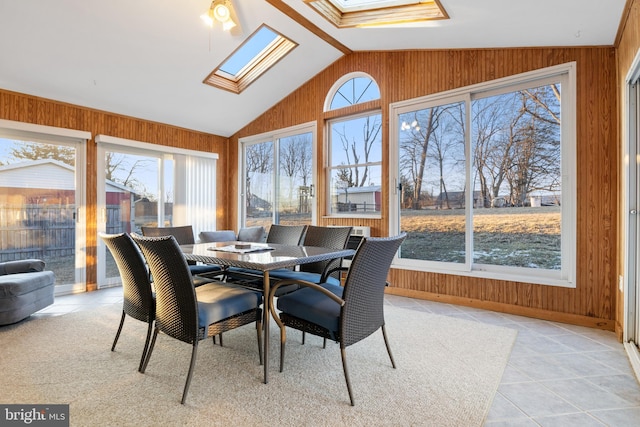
(252,234)
(343,314)
(139,301)
(217,236)
(286,234)
(325,237)
(192,314)
(282,234)
(184,236)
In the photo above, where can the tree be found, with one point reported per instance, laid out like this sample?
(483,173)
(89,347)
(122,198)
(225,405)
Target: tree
(259,162)
(295,160)
(118,168)
(38,151)
(420,127)
(357,147)
(517,143)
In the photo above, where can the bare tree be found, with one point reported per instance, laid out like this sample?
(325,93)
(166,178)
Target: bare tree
(420,128)
(295,160)
(38,150)
(351,145)
(259,161)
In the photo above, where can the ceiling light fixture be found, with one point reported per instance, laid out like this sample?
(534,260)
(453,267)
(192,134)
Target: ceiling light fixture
(224,12)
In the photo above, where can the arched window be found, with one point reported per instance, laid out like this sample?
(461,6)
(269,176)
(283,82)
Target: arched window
(354,172)
(352,89)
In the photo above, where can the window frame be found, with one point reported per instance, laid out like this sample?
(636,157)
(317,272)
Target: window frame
(329,168)
(255,66)
(274,137)
(565,277)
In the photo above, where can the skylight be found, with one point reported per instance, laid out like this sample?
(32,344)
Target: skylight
(253,58)
(369,13)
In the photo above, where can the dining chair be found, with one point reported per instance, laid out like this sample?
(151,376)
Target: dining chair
(138,299)
(325,237)
(286,234)
(281,234)
(346,314)
(251,234)
(191,314)
(245,234)
(184,236)
(217,236)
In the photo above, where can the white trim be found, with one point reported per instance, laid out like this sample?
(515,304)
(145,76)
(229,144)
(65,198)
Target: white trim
(629,232)
(9,127)
(149,147)
(634,357)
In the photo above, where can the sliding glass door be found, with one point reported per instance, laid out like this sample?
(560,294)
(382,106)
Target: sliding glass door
(40,203)
(133,197)
(141,184)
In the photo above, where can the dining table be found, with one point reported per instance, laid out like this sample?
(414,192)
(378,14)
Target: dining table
(262,257)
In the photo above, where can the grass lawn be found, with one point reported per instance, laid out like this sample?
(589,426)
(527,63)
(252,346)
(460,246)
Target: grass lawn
(523,237)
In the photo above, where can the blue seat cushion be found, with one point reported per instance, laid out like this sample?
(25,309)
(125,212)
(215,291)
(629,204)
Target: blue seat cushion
(284,273)
(204,268)
(218,301)
(313,306)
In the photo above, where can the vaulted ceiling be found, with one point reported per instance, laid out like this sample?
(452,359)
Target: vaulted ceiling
(147,59)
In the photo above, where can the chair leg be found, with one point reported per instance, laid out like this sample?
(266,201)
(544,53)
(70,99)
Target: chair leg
(259,332)
(190,374)
(343,353)
(115,341)
(146,346)
(386,343)
(303,337)
(324,343)
(214,339)
(150,350)
(283,342)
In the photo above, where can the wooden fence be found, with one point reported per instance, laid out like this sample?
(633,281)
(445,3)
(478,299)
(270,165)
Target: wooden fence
(44,232)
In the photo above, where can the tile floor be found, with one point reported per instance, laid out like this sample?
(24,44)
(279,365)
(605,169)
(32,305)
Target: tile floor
(558,375)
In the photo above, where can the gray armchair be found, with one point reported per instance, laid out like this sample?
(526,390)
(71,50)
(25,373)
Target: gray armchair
(25,287)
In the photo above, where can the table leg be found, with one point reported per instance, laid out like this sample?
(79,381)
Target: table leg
(266,285)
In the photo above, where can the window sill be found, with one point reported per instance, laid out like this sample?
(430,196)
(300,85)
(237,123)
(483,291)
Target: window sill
(360,216)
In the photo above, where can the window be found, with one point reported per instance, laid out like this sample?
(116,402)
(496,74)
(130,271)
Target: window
(361,13)
(254,57)
(42,199)
(484,179)
(141,184)
(354,172)
(278,178)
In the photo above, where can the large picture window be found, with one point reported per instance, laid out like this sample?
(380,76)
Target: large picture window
(484,181)
(278,178)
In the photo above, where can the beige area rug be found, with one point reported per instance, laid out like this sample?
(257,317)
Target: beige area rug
(448,372)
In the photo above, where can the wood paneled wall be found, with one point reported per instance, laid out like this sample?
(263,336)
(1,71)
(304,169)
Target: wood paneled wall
(409,74)
(34,110)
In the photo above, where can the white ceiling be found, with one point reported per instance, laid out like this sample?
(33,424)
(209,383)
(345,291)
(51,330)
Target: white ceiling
(148,58)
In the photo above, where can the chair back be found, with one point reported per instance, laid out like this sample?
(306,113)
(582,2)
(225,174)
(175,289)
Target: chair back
(217,236)
(138,298)
(176,305)
(286,234)
(251,234)
(362,313)
(183,234)
(325,237)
